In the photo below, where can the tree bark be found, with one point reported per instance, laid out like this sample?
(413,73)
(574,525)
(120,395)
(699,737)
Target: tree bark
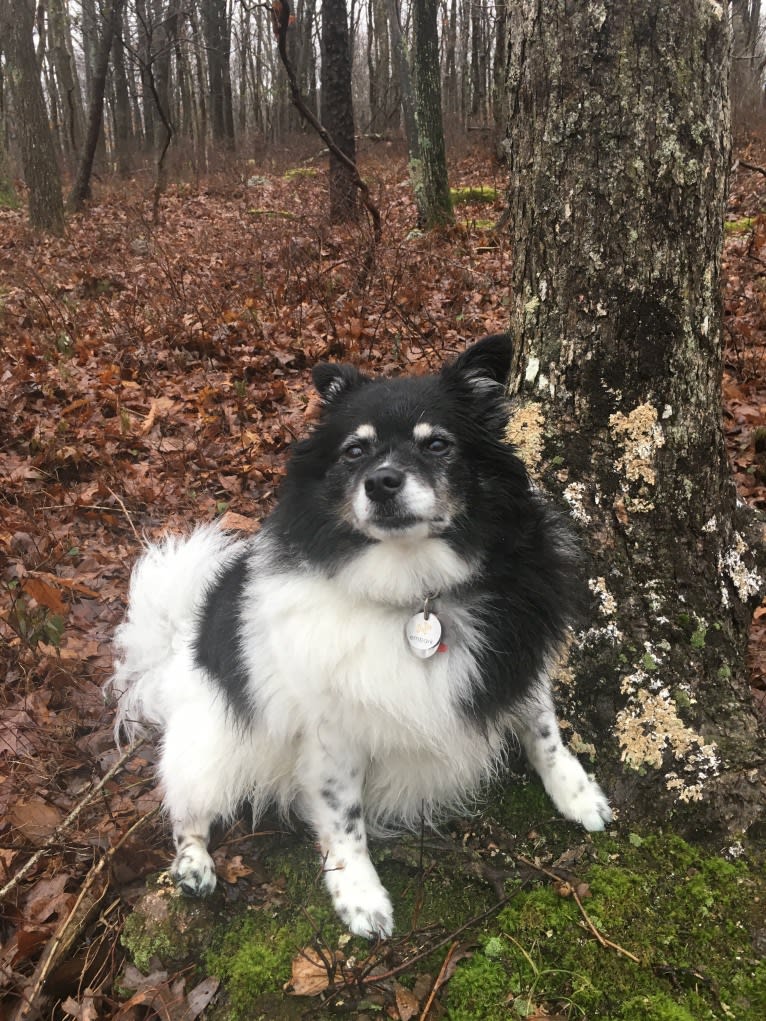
(618,145)
(41,172)
(429,171)
(81,188)
(337,107)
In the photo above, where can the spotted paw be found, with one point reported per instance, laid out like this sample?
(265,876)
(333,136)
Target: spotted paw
(359,897)
(590,807)
(373,920)
(193,871)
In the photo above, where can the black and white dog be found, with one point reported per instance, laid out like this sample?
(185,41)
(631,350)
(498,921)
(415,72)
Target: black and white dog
(367,657)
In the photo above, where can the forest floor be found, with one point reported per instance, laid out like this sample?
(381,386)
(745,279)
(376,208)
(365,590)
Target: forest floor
(153,375)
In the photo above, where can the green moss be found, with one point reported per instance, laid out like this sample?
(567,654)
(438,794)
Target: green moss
(741,226)
(479,989)
(8,198)
(648,662)
(481,193)
(685,915)
(253,957)
(300,172)
(167,926)
(653,1008)
(698,636)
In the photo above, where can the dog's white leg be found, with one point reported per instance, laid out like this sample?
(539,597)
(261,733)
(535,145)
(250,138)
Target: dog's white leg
(193,870)
(206,772)
(332,776)
(575,794)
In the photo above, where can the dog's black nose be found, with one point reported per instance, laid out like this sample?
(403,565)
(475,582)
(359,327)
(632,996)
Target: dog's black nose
(383,483)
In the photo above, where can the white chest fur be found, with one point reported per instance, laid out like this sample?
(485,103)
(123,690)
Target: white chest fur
(317,648)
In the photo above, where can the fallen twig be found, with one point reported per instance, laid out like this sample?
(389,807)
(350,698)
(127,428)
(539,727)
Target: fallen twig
(750,166)
(75,921)
(439,981)
(66,823)
(570,890)
(127,515)
(70,927)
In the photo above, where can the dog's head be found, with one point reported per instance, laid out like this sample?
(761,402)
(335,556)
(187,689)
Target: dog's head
(399,458)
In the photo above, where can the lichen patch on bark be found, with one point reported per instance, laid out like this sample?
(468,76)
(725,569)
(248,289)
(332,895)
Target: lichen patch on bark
(650,726)
(747,582)
(525,432)
(640,435)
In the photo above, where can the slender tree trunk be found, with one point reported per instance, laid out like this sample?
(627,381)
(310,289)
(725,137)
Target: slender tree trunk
(60,46)
(618,141)
(146,48)
(337,107)
(81,188)
(405,83)
(215,27)
(46,205)
(429,171)
(123,128)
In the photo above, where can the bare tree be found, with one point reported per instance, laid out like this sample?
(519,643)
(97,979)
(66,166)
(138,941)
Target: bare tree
(429,171)
(337,108)
(41,172)
(81,187)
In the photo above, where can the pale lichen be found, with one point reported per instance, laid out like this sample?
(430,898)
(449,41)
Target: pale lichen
(607,602)
(650,726)
(747,582)
(641,437)
(574,494)
(525,432)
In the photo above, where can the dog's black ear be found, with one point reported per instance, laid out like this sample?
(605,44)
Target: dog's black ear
(332,379)
(489,358)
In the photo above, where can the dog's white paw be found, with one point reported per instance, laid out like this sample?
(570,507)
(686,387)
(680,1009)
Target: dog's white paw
(576,795)
(373,919)
(193,870)
(360,899)
(590,807)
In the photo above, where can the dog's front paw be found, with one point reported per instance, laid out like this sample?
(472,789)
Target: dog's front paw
(576,795)
(373,919)
(590,807)
(193,871)
(360,898)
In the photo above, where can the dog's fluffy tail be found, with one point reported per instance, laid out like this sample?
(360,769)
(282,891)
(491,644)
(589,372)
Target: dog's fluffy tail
(167,588)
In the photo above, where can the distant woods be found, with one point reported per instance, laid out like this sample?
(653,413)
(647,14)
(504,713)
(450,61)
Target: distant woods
(179,88)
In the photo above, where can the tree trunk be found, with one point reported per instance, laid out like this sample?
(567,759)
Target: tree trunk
(337,107)
(123,127)
(618,142)
(429,172)
(405,83)
(81,187)
(61,50)
(41,172)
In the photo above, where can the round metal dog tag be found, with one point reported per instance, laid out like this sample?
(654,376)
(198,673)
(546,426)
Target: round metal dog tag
(424,634)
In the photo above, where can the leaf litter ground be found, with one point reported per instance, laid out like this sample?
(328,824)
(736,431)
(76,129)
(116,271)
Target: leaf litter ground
(155,375)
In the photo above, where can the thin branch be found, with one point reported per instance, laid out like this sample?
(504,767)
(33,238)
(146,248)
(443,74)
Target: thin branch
(571,890)
(749,166)
(76,919)
(440,980)
(64,826)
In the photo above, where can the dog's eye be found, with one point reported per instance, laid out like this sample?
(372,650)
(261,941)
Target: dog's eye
(353,451)
(438,445)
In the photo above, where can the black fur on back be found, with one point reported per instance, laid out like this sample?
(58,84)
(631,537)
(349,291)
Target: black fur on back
(217,646)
